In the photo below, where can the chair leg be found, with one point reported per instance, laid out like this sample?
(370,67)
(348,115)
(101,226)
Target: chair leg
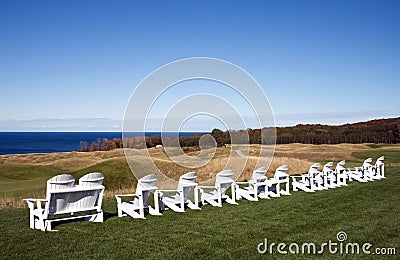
(157,202)
(31,221)
(153,212)
(99,217)
(294,187)
(193,206)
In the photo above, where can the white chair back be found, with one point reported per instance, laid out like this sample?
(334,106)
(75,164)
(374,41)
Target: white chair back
(64,197)
(314,168)
(59,182)
(259,175)
(380,160)
(91,179)
(379,167)
(340,166)
(144,187)
(187,182)
(224,180)
(328,167)
(58,202)
(367,163)
(281,172)
(367,166)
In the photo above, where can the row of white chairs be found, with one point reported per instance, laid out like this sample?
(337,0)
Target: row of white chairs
(191,195)
(69,201)
(328,178)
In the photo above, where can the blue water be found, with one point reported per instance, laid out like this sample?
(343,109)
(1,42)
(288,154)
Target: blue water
(48,142)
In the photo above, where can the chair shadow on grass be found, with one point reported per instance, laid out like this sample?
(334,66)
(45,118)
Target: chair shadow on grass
(106,216)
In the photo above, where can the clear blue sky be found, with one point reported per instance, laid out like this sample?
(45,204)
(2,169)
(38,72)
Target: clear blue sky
(318,61)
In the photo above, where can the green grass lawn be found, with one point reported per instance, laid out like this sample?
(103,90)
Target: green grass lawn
(392,157)
(21,181)
(367,212)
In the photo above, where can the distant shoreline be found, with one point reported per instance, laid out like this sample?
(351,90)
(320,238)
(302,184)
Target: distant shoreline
(49,142)
(380,131)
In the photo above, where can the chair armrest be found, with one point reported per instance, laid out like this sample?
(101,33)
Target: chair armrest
(205,187)
(125,195)
(120,196)
(227,182)
(297,177)
(31,203)
(33,200)
(243,182)
(202,188)
(162,191)
(191,185)
(268,182)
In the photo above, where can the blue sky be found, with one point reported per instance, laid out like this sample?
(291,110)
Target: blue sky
(327,62)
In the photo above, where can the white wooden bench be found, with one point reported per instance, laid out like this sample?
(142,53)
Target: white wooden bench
(66,201)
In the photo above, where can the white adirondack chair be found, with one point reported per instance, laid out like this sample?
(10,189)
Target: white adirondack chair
(256,187)
(180,199)
(62,197)
(341,173)
(360,173)
(307,182)
(379,168)
(303,182)
(136,208)
(367,169)
(281,177)
(218,194)
(319,177)
(330,176)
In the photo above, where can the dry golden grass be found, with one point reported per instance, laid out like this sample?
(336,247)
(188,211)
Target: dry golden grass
(70,161)
(298,157)
(319,152)
(11,202)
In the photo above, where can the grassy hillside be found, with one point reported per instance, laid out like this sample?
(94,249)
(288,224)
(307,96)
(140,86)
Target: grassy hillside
(24,176)
(367,212)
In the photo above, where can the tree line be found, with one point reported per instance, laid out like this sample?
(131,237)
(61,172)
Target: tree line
(385,131)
